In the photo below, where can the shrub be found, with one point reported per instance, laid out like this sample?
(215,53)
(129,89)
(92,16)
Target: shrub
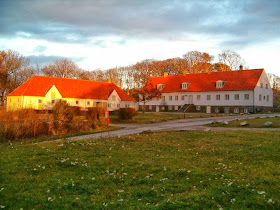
(62,117)
(95,116)
(76,110)
(25,123)
(126,113)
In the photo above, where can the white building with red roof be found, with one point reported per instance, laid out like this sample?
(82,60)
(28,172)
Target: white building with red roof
(239,91)
(41,93)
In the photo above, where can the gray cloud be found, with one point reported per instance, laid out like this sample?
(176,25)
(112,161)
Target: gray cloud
(45,60)
(242,22)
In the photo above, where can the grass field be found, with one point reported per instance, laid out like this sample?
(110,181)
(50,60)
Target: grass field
(171,170)
(155,117)
(252,123)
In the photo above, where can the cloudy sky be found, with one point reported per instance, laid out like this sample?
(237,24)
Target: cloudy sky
(108,33)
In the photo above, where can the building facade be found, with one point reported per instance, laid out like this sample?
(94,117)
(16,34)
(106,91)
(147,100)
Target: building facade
(240,91)
(41,93)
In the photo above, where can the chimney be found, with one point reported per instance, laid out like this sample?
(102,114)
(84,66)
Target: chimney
(165,74)
(241,68)
(109,80)
(185,73)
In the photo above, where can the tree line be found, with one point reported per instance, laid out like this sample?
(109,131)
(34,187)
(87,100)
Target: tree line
(15,69)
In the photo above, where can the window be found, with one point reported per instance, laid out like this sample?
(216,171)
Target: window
(208,97)
(170,98)
(217,110)
(88,102)
(182,98)
(227,97)
(260,97)
(226,110)
(245,110)
(185,85)
(198,108)
(246,96)
(160,86)
(198,97)
(267,98)
(52,94)
(218,97)
(266,86)
(77,102)
(163,98)
(114,98)
(264,98)
(118,106)
(109,105)
(39,101)
(53,101)
(150,107)
(220,84)
(236,96)
(170,108)
(261,85)
(236,110)
(176,98)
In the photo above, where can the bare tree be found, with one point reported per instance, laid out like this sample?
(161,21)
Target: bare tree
(231,58)
(196,61)
(14,70)
(62,68)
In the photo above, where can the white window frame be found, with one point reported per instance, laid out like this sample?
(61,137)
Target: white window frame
(226,110)
(236,97)
(236,110)
(226,97)
(218,97)
(160,86)
(198,108)
(185,85)
(220,84)
(198,97)
(246,96)
(208,97)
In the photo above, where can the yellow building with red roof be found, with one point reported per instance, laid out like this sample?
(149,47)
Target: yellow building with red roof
(41,93)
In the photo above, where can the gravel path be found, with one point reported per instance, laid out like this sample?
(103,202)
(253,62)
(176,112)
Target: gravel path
(183,124)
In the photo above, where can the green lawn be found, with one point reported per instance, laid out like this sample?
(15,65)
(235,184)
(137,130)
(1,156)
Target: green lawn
(252,123)
(170,170)
(156,117)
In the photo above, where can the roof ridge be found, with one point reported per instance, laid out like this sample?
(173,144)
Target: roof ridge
(71,79)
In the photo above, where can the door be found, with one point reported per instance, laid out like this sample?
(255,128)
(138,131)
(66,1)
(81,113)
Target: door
(208,109)
(157,108)
(190,99)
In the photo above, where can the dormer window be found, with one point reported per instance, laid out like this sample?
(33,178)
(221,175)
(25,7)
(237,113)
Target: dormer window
(220,84)
(160,86)
(185,85)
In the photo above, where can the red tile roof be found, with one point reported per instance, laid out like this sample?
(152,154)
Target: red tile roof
(235,80)
(69,88)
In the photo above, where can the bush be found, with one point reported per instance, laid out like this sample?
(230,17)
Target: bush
(76,110)
(126,113)
(25,123)
(62,117)
(95,116)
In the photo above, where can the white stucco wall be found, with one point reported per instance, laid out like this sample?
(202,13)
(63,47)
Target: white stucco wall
(203,99)
(264,92)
